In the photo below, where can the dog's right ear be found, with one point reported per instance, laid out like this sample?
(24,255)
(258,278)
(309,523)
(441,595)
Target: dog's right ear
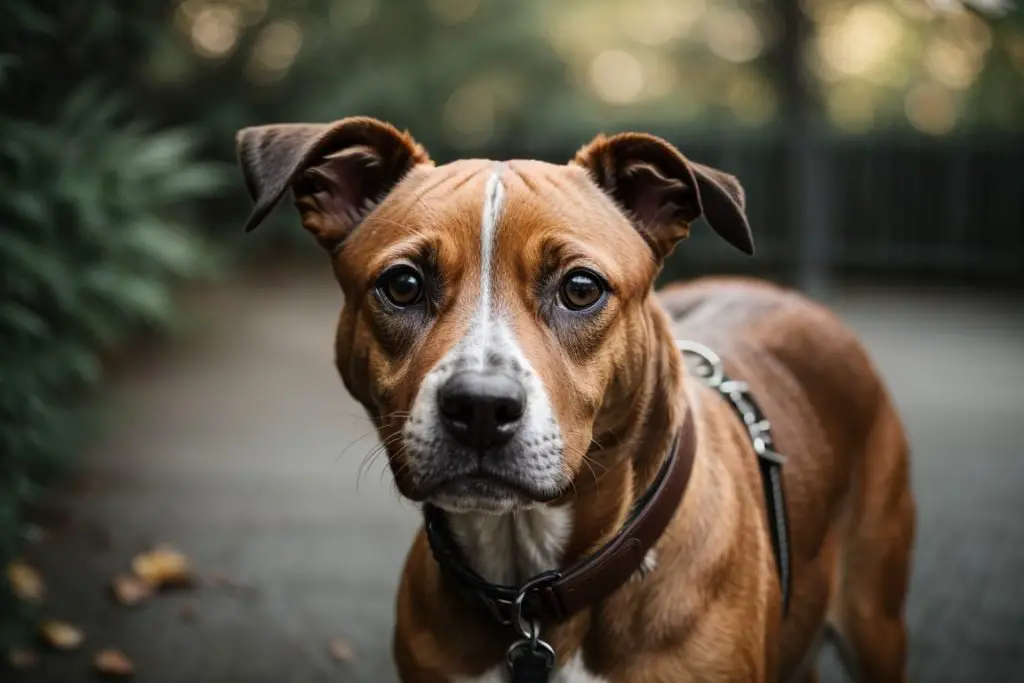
(337,171)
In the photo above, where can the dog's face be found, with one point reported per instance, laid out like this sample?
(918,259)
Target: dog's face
(495,313)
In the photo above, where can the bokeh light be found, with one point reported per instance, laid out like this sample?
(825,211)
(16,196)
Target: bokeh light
(862,41)
(469,115)
(952,65)
(215,30)
(733,35)
(274,52)
(931,109)
(617,76)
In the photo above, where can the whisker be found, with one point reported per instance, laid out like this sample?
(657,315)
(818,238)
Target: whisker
(353,443)
(368,459)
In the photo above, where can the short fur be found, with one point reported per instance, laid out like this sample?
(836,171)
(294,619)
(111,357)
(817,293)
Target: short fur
(707,608)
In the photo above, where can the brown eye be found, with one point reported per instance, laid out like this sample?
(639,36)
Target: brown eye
(401,286)
(580,290)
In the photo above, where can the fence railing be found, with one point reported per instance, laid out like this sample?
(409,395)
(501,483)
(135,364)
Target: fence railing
(944,207)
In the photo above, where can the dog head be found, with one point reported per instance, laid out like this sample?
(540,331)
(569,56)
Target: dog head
(496,315)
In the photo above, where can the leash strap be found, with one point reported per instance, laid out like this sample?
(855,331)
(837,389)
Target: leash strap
(770,462)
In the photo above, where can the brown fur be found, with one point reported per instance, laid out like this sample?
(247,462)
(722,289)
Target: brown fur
(711,610)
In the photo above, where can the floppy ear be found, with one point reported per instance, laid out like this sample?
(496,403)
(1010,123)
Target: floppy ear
(337,171)
(663,192)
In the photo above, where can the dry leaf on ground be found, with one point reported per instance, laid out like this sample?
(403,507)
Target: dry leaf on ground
(163,567)
(129,589)
(21,658)
(341,650)
(26,582)
(113,663)
(61,635)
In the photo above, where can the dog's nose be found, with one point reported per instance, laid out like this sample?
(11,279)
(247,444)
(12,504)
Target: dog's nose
(482,410)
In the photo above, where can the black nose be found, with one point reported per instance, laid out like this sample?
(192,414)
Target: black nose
(482,410)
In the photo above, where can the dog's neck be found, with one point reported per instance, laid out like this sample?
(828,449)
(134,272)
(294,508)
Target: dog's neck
(509,548)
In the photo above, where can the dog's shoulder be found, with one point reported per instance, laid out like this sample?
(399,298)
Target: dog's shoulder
(774,337)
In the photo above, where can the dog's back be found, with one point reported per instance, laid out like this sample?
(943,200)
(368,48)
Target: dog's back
(847,473)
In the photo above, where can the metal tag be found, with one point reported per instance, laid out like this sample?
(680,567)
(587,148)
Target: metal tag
(530,662)
(530,666)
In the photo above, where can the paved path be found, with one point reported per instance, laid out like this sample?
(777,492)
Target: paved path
(234,445)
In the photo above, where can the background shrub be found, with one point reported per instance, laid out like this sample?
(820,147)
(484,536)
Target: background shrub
(95,229)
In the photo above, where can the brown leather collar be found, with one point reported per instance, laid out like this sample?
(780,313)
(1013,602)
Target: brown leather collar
(554,596)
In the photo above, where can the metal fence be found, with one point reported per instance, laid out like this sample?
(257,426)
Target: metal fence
(894,204)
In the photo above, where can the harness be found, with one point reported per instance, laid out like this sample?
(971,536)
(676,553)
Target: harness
(553,596)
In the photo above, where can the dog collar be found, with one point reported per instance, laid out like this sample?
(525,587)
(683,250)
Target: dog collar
(555,595)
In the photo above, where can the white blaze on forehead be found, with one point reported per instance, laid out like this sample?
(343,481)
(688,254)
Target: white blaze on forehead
(483,331)
(494,198)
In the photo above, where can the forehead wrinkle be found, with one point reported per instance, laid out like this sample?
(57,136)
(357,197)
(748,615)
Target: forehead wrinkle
(454,174)
(547,213)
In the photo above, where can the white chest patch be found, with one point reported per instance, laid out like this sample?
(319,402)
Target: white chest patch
(572,672)
(510,548)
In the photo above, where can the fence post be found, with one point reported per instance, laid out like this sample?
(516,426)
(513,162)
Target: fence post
(808,173)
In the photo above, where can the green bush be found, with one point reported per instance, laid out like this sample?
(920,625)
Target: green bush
(95,229)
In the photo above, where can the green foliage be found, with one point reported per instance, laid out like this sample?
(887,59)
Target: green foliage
(95,228)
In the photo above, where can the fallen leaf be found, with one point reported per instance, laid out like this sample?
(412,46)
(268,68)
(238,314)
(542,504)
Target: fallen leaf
(341,650)
(61,635)
(129,589)
(22,658)
(113,663)
(26,582)
(163,567)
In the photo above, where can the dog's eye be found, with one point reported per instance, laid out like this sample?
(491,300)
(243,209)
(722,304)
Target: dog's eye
(580,290)
(402,286)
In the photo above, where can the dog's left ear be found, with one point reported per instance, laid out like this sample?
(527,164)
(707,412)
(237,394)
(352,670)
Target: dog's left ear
(663,192)
(337,171)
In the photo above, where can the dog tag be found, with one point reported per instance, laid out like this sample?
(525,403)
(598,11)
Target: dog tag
(531,667)
(530,662)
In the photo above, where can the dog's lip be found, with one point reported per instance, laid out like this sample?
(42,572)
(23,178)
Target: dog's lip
(485,484)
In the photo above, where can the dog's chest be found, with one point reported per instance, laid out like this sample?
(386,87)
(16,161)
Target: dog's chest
(573,672)
(508,549)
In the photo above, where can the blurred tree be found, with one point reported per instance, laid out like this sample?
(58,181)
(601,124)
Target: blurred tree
(538,78)
(94,214)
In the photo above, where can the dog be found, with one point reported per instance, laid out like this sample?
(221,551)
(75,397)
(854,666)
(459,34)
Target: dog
(501,328)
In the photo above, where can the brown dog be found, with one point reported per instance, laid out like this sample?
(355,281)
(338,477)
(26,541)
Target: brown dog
(500,328)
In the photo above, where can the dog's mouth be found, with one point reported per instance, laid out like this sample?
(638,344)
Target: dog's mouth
(485,492)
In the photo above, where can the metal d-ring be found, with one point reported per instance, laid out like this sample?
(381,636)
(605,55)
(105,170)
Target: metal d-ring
(529,629)
(712,360)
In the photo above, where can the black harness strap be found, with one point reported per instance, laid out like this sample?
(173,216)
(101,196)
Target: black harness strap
(770,462)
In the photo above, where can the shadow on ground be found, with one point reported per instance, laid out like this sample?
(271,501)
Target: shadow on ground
(241,448)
